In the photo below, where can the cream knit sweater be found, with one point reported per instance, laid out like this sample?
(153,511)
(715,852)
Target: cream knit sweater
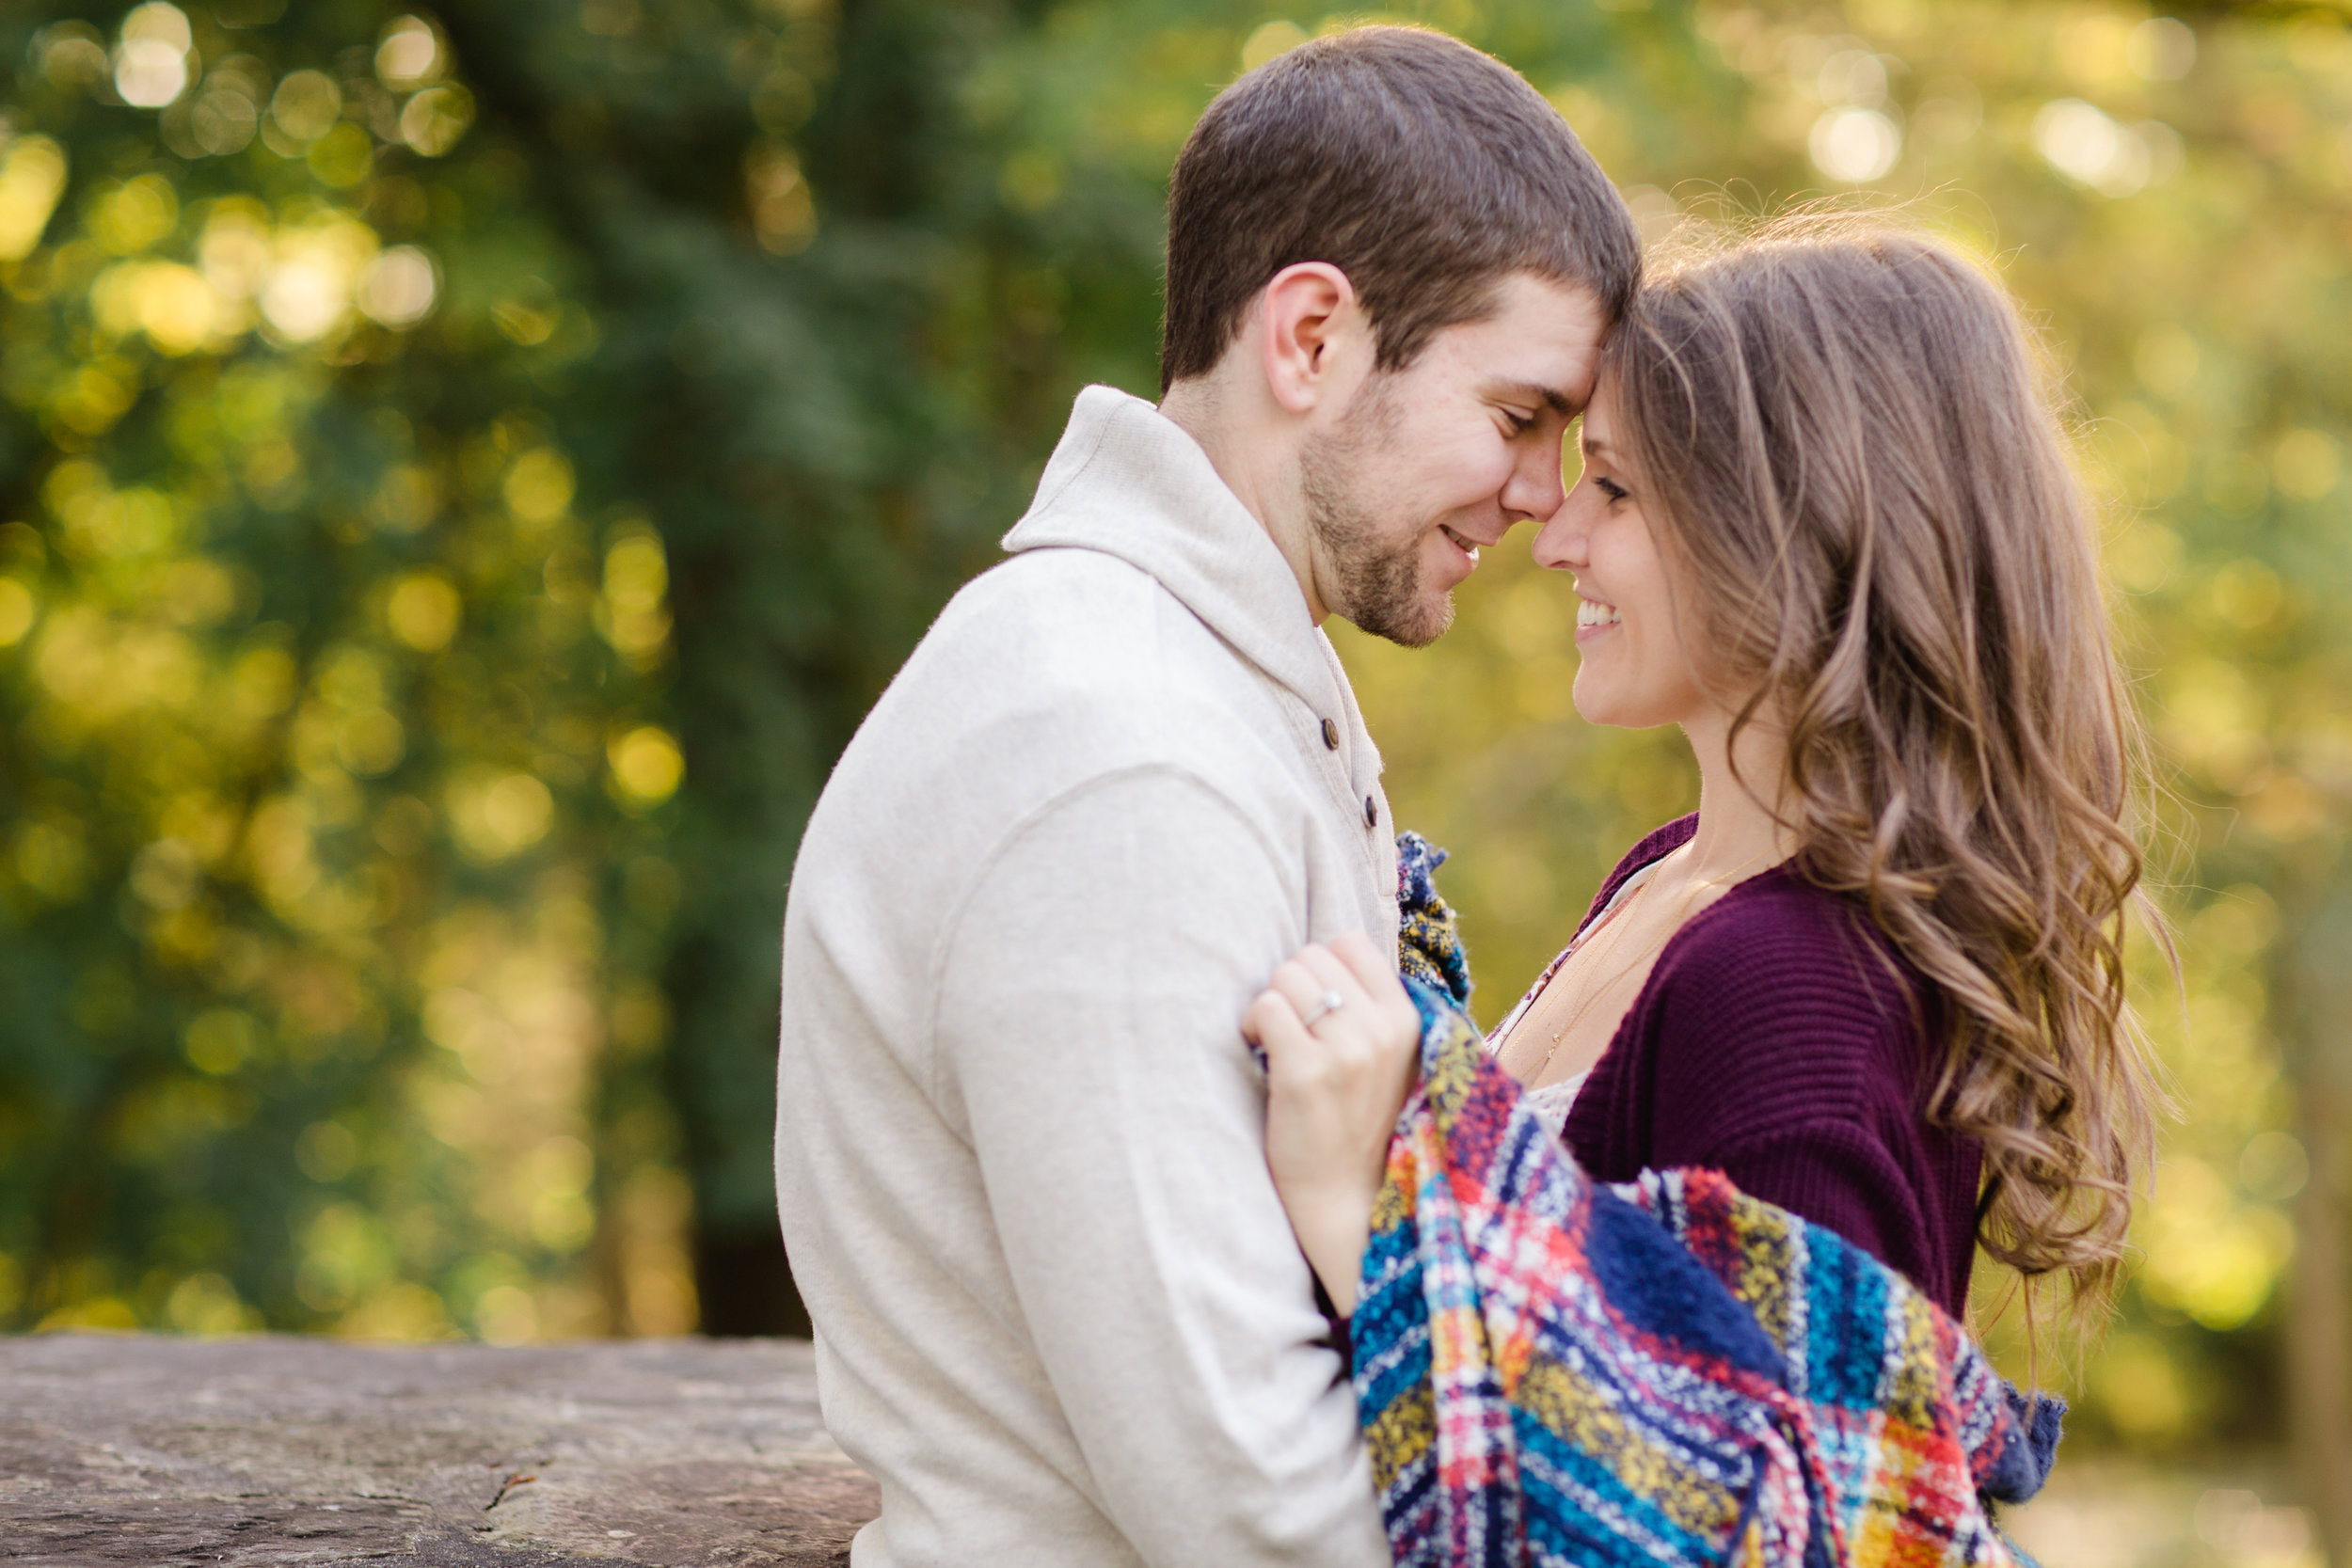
(1060,1315)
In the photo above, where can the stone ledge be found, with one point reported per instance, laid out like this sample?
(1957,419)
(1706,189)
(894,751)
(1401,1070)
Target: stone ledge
(661,1452)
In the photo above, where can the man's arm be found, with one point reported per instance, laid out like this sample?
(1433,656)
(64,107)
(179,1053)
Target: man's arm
(1091,998)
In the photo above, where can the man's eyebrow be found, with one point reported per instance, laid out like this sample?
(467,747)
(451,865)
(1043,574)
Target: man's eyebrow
(1550,397)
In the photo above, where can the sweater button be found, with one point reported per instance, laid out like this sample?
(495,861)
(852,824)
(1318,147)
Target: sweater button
(1330,736)
(1371,812)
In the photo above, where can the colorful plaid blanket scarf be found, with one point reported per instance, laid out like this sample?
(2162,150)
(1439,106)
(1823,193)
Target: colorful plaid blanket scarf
(1552,1370)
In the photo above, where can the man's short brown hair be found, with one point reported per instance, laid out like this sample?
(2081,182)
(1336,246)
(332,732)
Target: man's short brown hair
(1421,168)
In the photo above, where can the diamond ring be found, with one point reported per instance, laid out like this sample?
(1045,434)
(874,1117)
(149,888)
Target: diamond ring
(1329,1003)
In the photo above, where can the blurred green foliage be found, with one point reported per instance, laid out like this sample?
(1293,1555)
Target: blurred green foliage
(464,473)
(461,489)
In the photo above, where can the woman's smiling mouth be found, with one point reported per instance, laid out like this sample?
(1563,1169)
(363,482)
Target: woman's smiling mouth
(1592,617)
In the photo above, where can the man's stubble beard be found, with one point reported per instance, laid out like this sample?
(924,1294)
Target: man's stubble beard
(1372,585)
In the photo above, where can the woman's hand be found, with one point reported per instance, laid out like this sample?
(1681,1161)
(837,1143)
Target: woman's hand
(1341,1041)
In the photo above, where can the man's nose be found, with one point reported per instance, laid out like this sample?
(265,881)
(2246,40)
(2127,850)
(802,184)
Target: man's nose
(1536,489)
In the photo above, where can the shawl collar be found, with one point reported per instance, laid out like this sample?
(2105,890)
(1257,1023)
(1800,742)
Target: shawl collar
(1130,483)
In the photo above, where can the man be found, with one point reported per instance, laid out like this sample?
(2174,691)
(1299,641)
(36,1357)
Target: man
(1060,1316)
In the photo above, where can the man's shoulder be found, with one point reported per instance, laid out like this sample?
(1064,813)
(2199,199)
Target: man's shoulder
(1052,596)
(1080,642)
(1053,672)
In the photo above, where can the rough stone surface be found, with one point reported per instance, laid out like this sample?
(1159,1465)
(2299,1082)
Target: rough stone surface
(666,1453)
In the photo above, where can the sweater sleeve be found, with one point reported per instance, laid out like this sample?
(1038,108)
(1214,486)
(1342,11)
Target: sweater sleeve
(1090,999)
(1836,1175)
(1787,1056)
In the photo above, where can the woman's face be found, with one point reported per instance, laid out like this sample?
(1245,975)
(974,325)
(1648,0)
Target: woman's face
(1633,669)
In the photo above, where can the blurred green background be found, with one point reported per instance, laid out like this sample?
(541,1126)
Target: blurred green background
(464,473)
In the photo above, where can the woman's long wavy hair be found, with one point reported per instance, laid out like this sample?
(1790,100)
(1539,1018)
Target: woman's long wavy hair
(1850,452)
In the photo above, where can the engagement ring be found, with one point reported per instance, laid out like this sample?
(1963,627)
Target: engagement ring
(1329,1003)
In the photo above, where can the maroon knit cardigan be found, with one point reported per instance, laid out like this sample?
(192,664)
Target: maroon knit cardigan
(1774,1043)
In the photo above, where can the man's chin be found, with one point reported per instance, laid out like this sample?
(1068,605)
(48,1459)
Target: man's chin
(1416,625)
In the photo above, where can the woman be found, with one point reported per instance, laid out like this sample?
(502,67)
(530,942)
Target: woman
(1827,526)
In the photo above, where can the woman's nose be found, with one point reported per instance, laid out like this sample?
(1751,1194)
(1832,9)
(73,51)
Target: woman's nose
(1560,543)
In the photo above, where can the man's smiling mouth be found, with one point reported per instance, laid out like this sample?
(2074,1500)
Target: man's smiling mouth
(1468,547)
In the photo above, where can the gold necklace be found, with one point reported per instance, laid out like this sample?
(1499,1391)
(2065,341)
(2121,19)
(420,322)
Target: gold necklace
(1674,923)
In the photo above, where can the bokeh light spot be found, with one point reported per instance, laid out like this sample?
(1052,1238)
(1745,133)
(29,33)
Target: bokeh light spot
(220,1040)
(539,487)
(151,68)
(167,875)
(371,742)
(134,215)
(636,574)
(2081,142)
(178,310)
(506,1315)
(2306,464)
(1854,146)
(410,55)
(423,611)
(631,613)
(433,121)
(519,809)
(647,766)
(2273,1167)
(69,55)
(406,501)
(52,859)
(228,112)
(2248,1533)
(2161,49)
(306,105)
(32,176)
(149,74)
(159,22)
(399,288)
(1855,77)
(500,816)
(18,609)
(303,298)
(308,290)
(342,157)
(206,1304)
(782,216)
(1032,180)
(235,252)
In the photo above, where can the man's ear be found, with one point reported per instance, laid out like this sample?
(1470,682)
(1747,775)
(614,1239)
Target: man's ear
(1313,332)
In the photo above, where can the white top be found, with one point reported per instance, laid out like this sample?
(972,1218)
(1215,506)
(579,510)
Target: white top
(1060,1315)
(1553,1102)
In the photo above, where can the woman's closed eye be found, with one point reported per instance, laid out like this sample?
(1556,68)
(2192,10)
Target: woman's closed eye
(1610,487)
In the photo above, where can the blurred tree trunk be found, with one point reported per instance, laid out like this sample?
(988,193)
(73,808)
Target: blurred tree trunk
(2313,1000)
(2320,1413)
(773,451)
